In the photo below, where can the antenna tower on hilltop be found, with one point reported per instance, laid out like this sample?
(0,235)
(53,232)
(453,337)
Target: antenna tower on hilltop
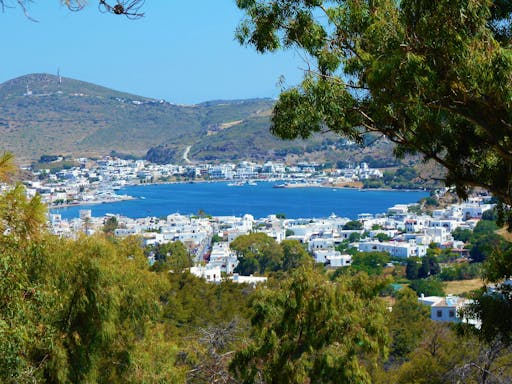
(29,91)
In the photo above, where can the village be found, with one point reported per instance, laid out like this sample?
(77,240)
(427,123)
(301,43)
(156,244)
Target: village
(98,181)
(403,232)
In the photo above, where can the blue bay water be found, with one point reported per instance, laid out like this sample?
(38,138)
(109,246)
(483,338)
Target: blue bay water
(219,199)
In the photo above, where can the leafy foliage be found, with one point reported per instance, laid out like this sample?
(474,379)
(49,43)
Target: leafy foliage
(372,263)
(407,323)
(429,267)
(111,224)
(294,255)
(312,330)
(353,225)
(412,269)
(258,253)
(428,287)
(170,257)
(463,271)
(433,77)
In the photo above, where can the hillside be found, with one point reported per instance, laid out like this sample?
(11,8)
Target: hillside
(44,114)
(41,114)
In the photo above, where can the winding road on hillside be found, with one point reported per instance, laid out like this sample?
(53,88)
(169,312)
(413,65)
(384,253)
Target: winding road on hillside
(185,155)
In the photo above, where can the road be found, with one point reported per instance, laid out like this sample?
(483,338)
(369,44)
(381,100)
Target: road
(185,155)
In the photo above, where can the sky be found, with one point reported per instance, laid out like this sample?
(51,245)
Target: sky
(181,51)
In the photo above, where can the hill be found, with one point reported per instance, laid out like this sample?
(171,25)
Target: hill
(42,114)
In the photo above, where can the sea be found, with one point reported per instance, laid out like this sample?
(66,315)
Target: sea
(260,200)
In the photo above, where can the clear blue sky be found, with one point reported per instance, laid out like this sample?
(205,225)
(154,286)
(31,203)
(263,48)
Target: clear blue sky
(181,51)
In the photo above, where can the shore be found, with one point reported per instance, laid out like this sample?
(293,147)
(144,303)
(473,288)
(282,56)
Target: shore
(353,185)
(92,202)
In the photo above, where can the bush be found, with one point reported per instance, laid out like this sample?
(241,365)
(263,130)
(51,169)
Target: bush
(428,287)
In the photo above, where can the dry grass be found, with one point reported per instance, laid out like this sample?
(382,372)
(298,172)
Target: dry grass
(458,287)
(505,233)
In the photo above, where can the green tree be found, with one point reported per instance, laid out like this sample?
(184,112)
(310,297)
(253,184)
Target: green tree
(407,323)
(494,308)
(75,310)
(353,225)
(443,356)
(7,167)
(463,271)
(257,253)
(294,255)
(111,224)
(462,234)
(372,263)
(171,257)
(106,299)
(312,330)
(428,287)
(216,238)
(429,267)
(412,268)
(382,237)
(354,237)
(432,76)
(490,214)
(484,246)
(24,297)
(192,303)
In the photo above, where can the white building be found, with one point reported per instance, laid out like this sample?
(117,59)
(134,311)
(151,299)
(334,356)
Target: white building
(320,243)
(339,260)
(211,275)
(222,257)
(445,309)
(252,280)
(395,249)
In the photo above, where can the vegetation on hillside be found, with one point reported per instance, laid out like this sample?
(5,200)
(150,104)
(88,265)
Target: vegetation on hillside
(71,117)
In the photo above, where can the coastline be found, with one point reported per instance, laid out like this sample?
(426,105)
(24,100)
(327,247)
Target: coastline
(92,202)
(350,186)
(354,186)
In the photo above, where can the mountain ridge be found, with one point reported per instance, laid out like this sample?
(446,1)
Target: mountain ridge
(44,114)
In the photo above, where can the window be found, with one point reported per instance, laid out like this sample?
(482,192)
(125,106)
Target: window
(451,313)
(439,313)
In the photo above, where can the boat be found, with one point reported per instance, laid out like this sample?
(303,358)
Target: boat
(283,185)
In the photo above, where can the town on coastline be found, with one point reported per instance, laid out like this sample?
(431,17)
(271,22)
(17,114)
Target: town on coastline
(404,231)
(90,182)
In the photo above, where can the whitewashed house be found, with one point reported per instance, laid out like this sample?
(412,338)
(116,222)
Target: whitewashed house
(320,243)
(445,309)
(211,275)
(252,280)
(338,260)
(395,249)
(221,256)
